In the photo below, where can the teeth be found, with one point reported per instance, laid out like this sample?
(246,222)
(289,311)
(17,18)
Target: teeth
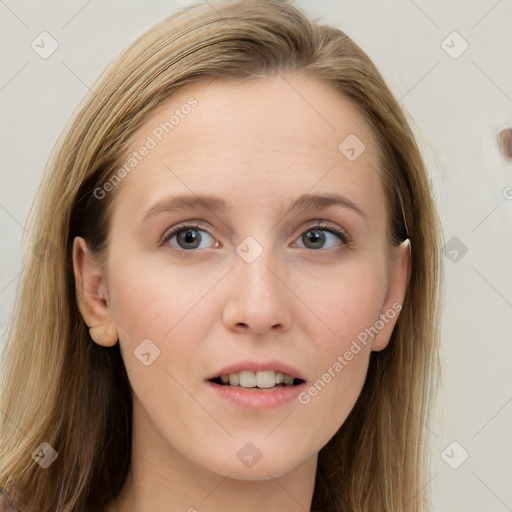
(263,380)
(288,380)
(247,379)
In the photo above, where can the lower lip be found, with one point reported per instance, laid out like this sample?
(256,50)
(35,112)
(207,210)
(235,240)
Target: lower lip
(251,398)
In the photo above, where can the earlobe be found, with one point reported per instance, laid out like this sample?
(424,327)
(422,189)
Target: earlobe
(104,335)
(400,273)
(89,285)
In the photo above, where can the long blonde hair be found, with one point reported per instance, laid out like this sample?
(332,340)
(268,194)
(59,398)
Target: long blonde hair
(61,388)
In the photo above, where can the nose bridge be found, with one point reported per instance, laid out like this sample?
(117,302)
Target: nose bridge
(253,266)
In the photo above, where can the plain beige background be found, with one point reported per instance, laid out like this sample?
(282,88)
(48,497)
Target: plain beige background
(458,99)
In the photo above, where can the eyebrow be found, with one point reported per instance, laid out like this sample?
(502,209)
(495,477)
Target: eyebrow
(305,202)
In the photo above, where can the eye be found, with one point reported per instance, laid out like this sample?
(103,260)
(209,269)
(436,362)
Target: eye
(323,236)
(188,237)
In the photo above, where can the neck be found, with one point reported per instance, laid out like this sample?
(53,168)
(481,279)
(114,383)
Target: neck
(162,479)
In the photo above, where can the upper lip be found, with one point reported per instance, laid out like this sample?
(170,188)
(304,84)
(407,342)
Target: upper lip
(258,366)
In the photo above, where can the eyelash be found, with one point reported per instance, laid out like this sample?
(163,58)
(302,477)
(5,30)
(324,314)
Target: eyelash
(322,226)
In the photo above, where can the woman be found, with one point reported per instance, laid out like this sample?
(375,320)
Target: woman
(233,291)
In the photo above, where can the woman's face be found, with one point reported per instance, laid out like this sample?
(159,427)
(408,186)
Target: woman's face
(248,282)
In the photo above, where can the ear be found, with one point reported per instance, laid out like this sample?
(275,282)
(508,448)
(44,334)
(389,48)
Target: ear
(399,275)
(91,295)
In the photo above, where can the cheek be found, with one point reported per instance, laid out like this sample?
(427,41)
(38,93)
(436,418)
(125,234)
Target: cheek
(331,396)
(151,299)
(168,306)
(344,303)
(349,304)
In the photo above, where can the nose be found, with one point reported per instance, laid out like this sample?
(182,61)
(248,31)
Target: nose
(258,299)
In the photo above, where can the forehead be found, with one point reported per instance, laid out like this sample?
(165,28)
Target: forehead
(262,140)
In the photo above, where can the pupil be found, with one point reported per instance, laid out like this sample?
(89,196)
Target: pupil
(190,236)
(315,238)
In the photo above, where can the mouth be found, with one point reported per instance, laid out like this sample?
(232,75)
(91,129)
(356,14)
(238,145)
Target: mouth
(257,381)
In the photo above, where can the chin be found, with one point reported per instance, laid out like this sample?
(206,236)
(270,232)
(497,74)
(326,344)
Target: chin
(266,467)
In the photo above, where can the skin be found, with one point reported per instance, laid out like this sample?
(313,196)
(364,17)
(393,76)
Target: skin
(258,145)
